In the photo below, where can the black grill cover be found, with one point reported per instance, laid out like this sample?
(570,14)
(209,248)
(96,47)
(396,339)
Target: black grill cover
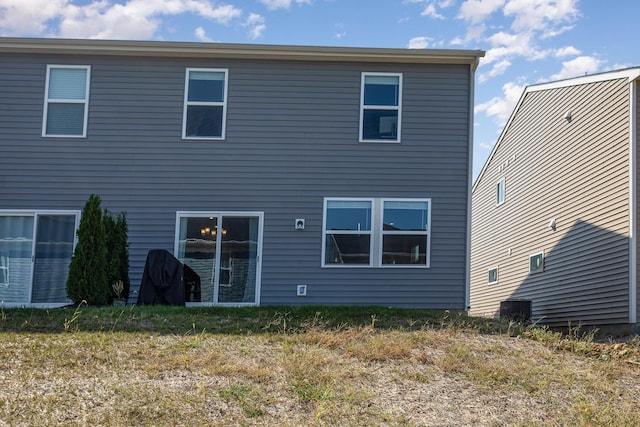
(191,284)
(162,280)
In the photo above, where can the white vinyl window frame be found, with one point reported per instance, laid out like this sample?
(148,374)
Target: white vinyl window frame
(364,107)
(377,233)
(222,103)
(48,100)
(501,191)
(4,271)
(493,275)
(360,231)
(219,215)
(426,233)
(540,266)
(35,214)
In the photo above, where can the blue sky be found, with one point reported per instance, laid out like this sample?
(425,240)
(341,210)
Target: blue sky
(527,41)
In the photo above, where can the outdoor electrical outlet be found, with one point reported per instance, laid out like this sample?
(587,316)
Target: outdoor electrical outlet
(302,290)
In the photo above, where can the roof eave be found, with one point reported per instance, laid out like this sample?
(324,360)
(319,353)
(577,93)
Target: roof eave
(243,51)
(629,73)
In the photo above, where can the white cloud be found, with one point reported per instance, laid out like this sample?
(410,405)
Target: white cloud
(201,34)
(133,19)
(476,11)
(487,146)
(566,51)
(531,21)
(619,66)
(419,43)
(101,20)
(553,32)
(476,32)
(508,45)
(500,108)
(431,12)
(432,6)
(497,70)
(20,17)
(539,14)
(579,66)
(257,25)
(282,4)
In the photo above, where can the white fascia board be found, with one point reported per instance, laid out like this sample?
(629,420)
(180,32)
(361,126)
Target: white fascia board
(628,73)
(241,51)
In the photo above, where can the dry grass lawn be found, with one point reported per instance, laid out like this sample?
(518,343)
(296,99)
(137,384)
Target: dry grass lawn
(345,375)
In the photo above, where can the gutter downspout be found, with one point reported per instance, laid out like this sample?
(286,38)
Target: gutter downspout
(467,261)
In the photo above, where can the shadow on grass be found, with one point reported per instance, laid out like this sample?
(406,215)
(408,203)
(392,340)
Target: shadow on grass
(242,320)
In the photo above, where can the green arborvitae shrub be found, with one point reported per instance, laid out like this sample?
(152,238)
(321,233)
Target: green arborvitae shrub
(87,279)
(122,231)
(112,261)
(118,249)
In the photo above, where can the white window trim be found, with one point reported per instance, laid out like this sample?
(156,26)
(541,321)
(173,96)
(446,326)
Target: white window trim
(376,233)
(35,213)
(222,104)
(69,101)
(540,270)
(381,107)
(220,215)
(501,182)
(496,268)
(369,232)
(4,272)
(427,232)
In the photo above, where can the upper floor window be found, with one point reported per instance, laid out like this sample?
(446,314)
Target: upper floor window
(380,107)
(205,100)
(500,192)
(66,101)
(376,232)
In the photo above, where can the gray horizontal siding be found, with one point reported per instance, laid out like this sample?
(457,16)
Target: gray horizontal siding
(291,139)
(576,173)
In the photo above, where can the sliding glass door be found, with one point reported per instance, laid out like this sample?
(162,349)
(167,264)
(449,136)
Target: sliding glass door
(35,252)
(221,252)
(16,250)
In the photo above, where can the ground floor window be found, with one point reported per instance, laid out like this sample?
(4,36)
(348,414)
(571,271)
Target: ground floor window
(35,252)
(376,232)
(221,252)
(536,263)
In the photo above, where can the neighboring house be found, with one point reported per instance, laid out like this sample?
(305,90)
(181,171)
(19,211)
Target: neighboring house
(555,208)
(279,174)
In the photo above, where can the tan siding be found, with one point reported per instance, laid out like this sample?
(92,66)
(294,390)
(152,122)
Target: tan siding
(637,201)
(576,173)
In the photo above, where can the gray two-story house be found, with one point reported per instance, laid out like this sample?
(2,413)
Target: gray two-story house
(278,174)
